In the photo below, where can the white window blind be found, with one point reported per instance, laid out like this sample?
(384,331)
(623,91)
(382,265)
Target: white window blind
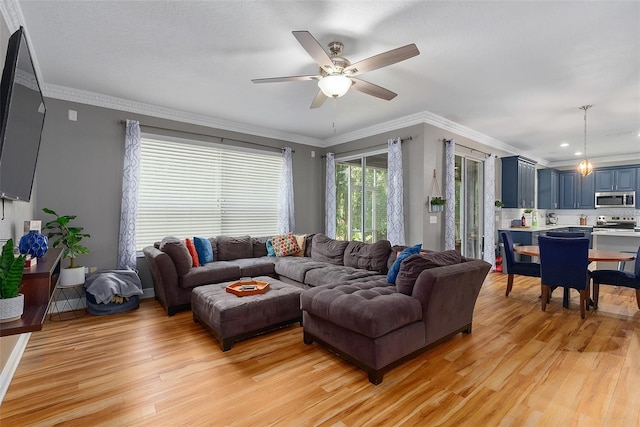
(191,189)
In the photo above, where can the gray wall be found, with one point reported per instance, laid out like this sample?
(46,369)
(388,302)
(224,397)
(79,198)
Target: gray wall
(80,172)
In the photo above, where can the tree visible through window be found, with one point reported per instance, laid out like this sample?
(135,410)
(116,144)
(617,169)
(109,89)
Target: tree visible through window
(361,198)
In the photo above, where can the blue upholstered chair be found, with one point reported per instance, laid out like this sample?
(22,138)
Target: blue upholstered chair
(563,262)
(531,269)
(617,278)
(565,234)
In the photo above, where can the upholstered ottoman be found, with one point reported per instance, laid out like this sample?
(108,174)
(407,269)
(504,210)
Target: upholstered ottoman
(231,318)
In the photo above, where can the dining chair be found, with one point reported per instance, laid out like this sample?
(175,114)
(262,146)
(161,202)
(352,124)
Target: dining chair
(617,278)
(563,262)
(565,234)
(531,269)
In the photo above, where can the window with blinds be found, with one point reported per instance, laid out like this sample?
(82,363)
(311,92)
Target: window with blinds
(190,189)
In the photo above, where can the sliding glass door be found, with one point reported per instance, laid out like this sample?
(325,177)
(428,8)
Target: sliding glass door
(361,197)
(469,205)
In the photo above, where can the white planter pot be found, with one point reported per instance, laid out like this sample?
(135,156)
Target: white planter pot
(11,308)
(71,276)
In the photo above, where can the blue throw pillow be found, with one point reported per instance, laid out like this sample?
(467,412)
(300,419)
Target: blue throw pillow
(270,250)
(204,250)
(395,268)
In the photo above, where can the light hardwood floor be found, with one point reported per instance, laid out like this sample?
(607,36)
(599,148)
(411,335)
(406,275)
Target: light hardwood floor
(519,367)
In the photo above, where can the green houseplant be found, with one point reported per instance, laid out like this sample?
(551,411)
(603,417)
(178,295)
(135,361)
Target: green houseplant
(60,233)
(11,271)
(437,203)
(498,204)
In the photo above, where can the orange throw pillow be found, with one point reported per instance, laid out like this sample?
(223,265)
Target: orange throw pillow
(192,250)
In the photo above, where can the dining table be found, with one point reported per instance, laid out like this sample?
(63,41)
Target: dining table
(594,255)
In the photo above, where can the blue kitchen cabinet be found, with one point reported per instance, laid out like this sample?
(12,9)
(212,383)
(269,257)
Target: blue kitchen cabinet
(548,187)
(615,179)
(518,182)
(576,191)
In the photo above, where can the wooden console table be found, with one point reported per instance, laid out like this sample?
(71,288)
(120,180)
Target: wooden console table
(38,284)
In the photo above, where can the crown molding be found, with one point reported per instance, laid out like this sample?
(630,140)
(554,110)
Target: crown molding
(596,161)
(12,14)
(91,98)
(426,117)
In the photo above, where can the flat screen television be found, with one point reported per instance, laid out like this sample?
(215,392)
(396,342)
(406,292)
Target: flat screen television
(21,120)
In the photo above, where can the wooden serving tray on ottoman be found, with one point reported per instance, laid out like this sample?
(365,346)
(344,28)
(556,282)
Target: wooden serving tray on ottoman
(243,289)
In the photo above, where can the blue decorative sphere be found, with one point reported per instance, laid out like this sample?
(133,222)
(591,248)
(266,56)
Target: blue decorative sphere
(34,243)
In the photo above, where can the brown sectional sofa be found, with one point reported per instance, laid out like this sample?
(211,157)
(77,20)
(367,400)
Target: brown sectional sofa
(347,306)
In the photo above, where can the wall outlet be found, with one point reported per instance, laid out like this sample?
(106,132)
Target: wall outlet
(433,219)
(93,270)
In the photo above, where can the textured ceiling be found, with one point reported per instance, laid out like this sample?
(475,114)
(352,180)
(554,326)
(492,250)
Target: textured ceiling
(515,71)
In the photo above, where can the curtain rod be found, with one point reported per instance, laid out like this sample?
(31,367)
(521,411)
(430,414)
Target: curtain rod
(222,139)
(469,148)
(408,138)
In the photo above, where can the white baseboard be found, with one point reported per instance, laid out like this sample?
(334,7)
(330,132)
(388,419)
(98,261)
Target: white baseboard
(12,364)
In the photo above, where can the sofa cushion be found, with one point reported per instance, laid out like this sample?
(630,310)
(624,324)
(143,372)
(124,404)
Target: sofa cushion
(369,256)
(192,251)
(362,307)
(204,249)
(328,250)
(179,254)
(214,272)
(230,248)
(296,268)
(301,239)
(412,266)
(252,267)
(395,268)
(284,244)
(338,273)
(259,246)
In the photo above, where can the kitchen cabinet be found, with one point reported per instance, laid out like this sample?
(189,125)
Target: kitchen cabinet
(518,182)
(576,191)
(637,188)
(615,179)
(548,189)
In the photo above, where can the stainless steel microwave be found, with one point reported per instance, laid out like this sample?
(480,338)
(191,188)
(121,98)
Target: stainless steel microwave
(610,199)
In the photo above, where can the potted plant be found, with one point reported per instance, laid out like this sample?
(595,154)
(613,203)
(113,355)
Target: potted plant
(437,204)
(69,238)
(11,270)
(499,204)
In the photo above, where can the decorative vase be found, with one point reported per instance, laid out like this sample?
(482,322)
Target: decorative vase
(34,243)
(11,308)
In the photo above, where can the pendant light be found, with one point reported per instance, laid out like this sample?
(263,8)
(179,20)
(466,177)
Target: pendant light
(585,167)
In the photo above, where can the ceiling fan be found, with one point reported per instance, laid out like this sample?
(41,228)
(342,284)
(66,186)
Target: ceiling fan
(337,74)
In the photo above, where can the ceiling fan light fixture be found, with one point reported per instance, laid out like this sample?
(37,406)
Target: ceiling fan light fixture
(334,86)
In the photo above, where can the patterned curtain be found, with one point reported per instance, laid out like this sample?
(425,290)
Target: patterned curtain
(489,202)
(395,213)
(449,195)
(129,205)
(286,215)
(330,197)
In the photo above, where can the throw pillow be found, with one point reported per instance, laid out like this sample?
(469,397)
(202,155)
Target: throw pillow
(395,268)
(178,253)
(204,250)
(300,240)
(270,250)
(284,244)
(192,251)
(230,248)
(411,268)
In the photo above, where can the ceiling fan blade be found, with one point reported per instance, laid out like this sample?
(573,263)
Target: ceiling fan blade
(383,59)
(313,48)
(373,90)
(286,79)
(318,100)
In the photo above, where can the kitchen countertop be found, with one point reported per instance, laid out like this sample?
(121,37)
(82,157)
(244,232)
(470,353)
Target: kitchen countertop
(613,233)
(545,227)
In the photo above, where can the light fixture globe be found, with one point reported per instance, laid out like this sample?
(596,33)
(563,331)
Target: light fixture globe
(334,86)
(585,167)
